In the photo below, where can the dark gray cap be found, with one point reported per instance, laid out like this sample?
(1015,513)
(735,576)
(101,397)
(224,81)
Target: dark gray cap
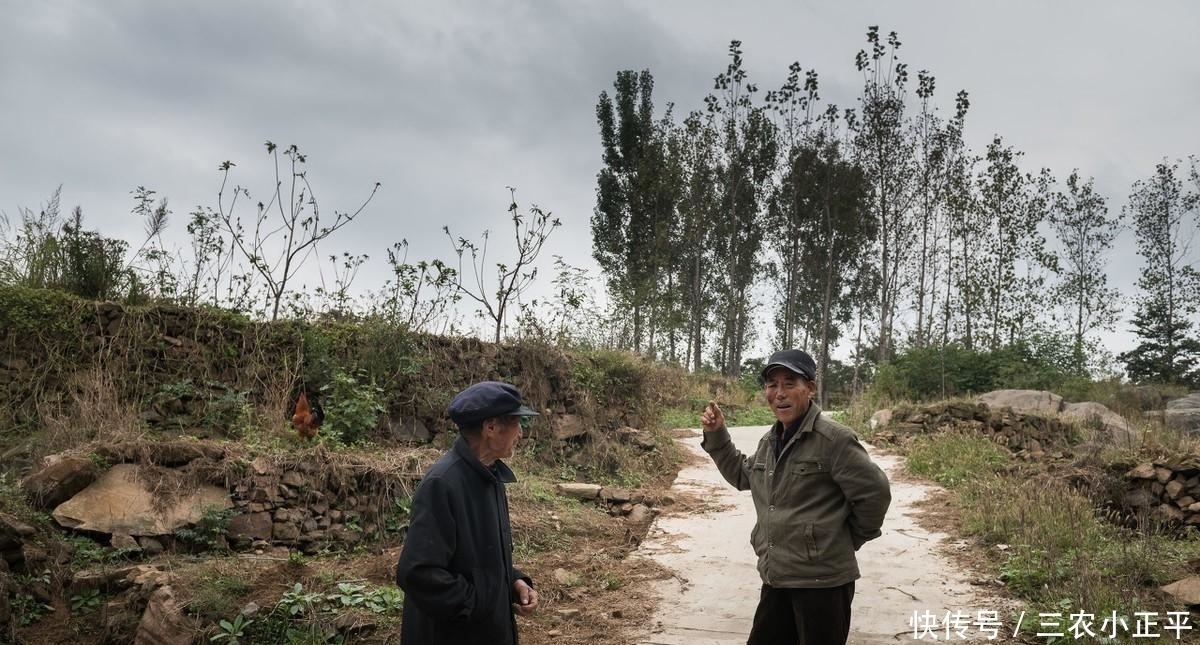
(795,360)
(485,400)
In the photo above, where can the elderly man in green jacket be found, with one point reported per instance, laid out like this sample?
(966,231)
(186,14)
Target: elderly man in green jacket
(818,497)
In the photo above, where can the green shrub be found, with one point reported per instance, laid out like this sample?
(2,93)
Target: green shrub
(85,601)
(923,374)
(352,406)
(208,534)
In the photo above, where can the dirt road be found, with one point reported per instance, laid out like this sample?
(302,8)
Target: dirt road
(712,597)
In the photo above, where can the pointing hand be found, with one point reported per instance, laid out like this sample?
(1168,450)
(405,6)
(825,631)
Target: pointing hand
(712,419)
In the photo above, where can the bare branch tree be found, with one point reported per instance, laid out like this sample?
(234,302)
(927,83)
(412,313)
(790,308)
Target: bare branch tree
(512,281)
(298,224)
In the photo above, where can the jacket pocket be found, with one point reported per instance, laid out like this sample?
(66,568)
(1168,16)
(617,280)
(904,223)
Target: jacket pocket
(758,474)
(486,590)
(811,550)
(832,546)
(807,468)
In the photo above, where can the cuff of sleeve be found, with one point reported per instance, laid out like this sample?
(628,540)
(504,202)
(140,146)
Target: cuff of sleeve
(716,439)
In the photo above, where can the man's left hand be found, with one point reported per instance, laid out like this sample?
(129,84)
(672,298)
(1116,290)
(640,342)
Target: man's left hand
(527,598)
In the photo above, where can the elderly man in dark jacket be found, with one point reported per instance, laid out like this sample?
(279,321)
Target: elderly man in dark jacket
(456,567)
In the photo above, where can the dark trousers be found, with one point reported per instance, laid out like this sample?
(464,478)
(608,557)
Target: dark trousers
(804,616)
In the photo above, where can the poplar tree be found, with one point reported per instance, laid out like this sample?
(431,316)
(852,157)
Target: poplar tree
(939,147)
(698,208)
(747,148)
(885,152)
(1162,213)
(965,248)
(1014,204)
(1085,234)
(840,244)
(790,209)
(629,197)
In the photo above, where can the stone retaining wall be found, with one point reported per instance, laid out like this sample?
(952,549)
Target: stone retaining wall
(1018,432)
(1169,489)
(310,502)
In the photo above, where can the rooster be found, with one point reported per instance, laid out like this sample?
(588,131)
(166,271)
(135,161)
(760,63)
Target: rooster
(306,418)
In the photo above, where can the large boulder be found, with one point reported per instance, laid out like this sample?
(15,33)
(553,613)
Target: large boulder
(1186,591)
(58,481)
(1024,401)
(1184,413)
(569,427)
(881,418)
(1113,428)
(120,502)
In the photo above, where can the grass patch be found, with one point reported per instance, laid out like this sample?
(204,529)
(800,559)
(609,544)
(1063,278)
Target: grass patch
(740,400)
(954,458)
(753,415)
(216,592)
(1045,539)
(680,418)
(1055,548)
(544,521)
(748,414)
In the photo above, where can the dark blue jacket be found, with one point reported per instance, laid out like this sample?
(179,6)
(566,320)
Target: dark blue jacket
(456,565)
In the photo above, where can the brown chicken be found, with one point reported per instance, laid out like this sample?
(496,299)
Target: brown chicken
(306,418)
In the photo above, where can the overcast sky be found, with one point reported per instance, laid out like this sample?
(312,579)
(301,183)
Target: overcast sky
(447,103)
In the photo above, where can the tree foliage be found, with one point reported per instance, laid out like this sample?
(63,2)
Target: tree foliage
(745,160)
(1163,214)
(635,198)
(887,154)
(1085,233)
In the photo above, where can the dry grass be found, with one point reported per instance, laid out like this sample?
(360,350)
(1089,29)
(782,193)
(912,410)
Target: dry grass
(590,589)
(1037,528)
(91,411)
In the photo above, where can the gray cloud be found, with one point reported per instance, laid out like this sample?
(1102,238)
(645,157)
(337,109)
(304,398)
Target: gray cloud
(448,103)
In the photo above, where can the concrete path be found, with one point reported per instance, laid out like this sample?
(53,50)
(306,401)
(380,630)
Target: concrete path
(711,599)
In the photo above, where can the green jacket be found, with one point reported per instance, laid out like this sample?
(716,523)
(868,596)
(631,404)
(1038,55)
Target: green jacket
(816,506)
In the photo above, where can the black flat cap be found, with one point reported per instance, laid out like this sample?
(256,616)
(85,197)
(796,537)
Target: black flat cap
(485,400)
(796,360)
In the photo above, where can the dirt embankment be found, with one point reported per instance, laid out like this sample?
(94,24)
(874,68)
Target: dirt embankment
(190,400)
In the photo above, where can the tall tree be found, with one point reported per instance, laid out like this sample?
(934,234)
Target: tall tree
(965,250)
(885,152)
(668,175)
(747,151)
(1035,302)
(1085,233)
(698,208)
(631,204)
(790,211)
(1014,205)
(939,147)
(839,248)
(1160,209)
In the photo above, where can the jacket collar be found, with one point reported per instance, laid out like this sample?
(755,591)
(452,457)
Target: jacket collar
(499,472)
(806,424)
